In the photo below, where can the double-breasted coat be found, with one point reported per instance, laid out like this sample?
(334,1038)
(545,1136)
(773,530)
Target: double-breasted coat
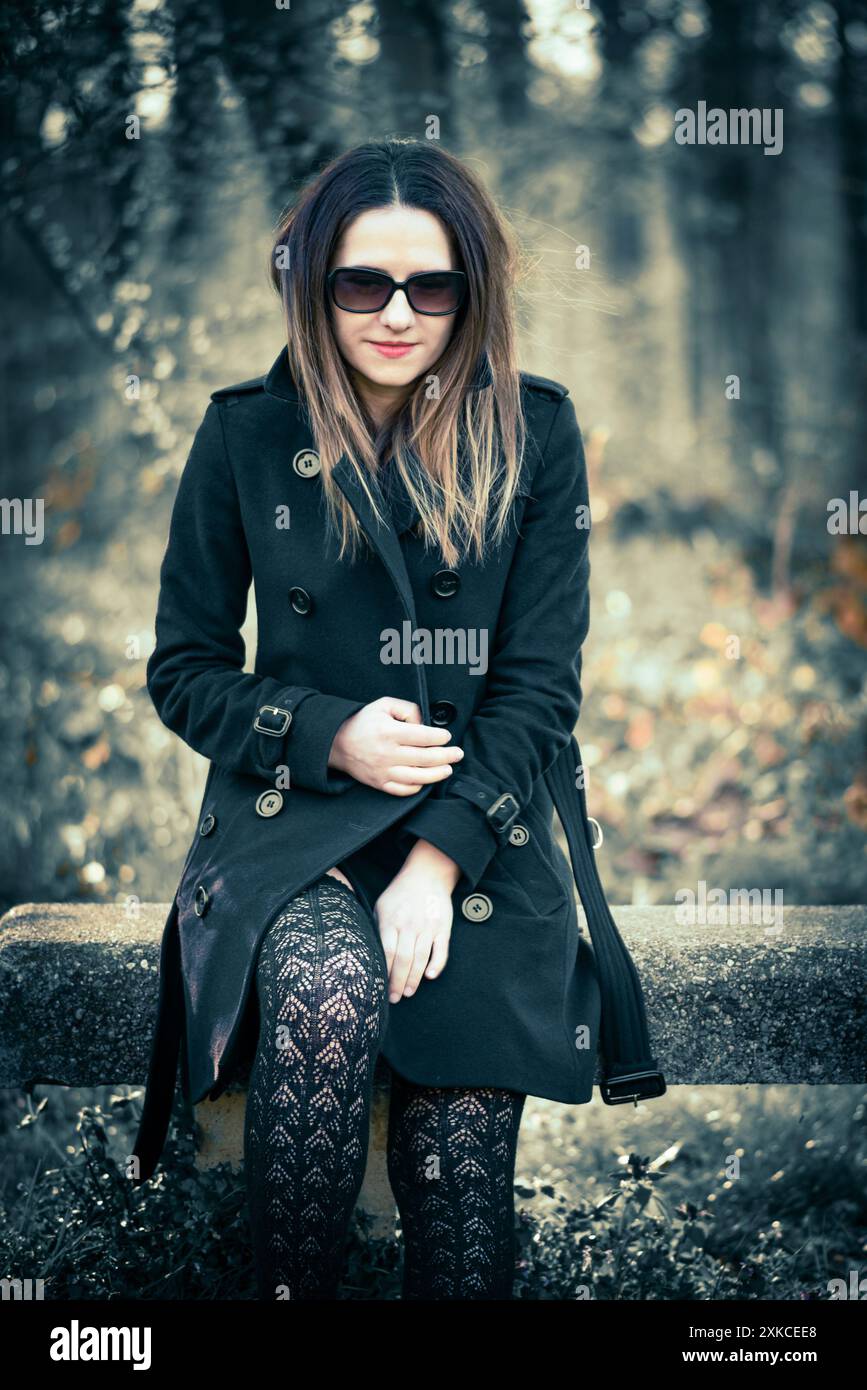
(524,992)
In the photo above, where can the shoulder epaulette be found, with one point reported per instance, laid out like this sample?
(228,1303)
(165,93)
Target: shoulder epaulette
(553,390)
(256,383)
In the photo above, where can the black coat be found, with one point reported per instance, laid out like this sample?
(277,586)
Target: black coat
(518,1003)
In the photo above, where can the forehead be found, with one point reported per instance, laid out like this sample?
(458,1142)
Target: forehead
(398,240)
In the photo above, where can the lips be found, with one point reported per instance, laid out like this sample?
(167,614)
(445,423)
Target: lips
(392,349)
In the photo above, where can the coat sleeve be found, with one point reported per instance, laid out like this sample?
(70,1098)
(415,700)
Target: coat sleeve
(533,694)
(195,673)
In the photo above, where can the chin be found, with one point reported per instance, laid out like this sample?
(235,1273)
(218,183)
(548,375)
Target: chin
(396,373)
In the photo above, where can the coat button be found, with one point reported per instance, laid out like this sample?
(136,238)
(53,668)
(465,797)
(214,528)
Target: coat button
(519,835)
(207,824)
(202,901)
(477,907)
(445,583)
(306,463)
(300,600)
(442,712)
(269,803)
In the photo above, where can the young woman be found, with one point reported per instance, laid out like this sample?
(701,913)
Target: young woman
(375,869)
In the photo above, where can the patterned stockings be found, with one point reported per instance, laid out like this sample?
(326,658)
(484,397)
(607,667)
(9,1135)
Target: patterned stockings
(322,991)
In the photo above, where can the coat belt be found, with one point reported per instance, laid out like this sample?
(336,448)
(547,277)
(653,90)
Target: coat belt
(629,1072)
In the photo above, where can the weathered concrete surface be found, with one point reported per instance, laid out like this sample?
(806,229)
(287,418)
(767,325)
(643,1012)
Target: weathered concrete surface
(727,1005)
(78,992)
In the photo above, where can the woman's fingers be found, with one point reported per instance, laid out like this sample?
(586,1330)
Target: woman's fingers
(417,776)
(401,963)
(422,735)
(438,956)
(429,757)
(414,927)
(403,710)
(420,958)
(410,958)
(406,781)
(412,779)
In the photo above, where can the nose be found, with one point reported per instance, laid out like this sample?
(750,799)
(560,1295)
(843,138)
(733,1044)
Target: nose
(397,313)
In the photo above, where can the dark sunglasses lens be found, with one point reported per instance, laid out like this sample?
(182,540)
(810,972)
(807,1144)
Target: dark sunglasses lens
(436,294)
(360,290)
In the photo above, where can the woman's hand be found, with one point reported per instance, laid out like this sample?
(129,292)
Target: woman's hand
(414,917)
(386,746)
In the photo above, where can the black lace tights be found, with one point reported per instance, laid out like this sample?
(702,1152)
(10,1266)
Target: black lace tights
(322,992)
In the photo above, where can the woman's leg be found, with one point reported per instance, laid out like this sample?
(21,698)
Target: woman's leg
(451,1164)
(321,986)
(340,876)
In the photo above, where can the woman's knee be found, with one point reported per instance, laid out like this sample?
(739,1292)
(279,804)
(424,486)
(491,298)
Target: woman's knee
(352,994)
(321,967)
(431,1128)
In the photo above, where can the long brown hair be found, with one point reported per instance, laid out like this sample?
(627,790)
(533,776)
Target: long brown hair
(458,453)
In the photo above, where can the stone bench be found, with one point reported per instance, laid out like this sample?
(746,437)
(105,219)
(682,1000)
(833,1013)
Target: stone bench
(728,1005)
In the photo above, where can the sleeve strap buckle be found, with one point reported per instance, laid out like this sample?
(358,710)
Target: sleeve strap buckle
(502,813)
(271,719)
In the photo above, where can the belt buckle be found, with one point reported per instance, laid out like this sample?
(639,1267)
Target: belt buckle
(638,1085)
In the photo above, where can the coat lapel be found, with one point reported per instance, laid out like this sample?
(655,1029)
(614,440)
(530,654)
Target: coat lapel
(385,542)
(382,537)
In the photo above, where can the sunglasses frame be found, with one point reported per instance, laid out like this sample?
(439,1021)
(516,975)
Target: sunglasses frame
(398,285)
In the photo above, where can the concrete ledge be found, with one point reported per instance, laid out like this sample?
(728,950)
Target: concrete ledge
(727,1004)
(78,992)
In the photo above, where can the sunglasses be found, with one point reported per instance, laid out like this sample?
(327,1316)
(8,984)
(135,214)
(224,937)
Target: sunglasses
(361,291)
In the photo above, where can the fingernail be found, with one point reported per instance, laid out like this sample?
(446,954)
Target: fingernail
(393,998)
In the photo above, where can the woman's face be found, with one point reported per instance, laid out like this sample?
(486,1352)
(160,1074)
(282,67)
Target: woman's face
(401,241)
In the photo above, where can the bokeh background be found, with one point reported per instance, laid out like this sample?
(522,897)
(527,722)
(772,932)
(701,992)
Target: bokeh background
(723,721)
